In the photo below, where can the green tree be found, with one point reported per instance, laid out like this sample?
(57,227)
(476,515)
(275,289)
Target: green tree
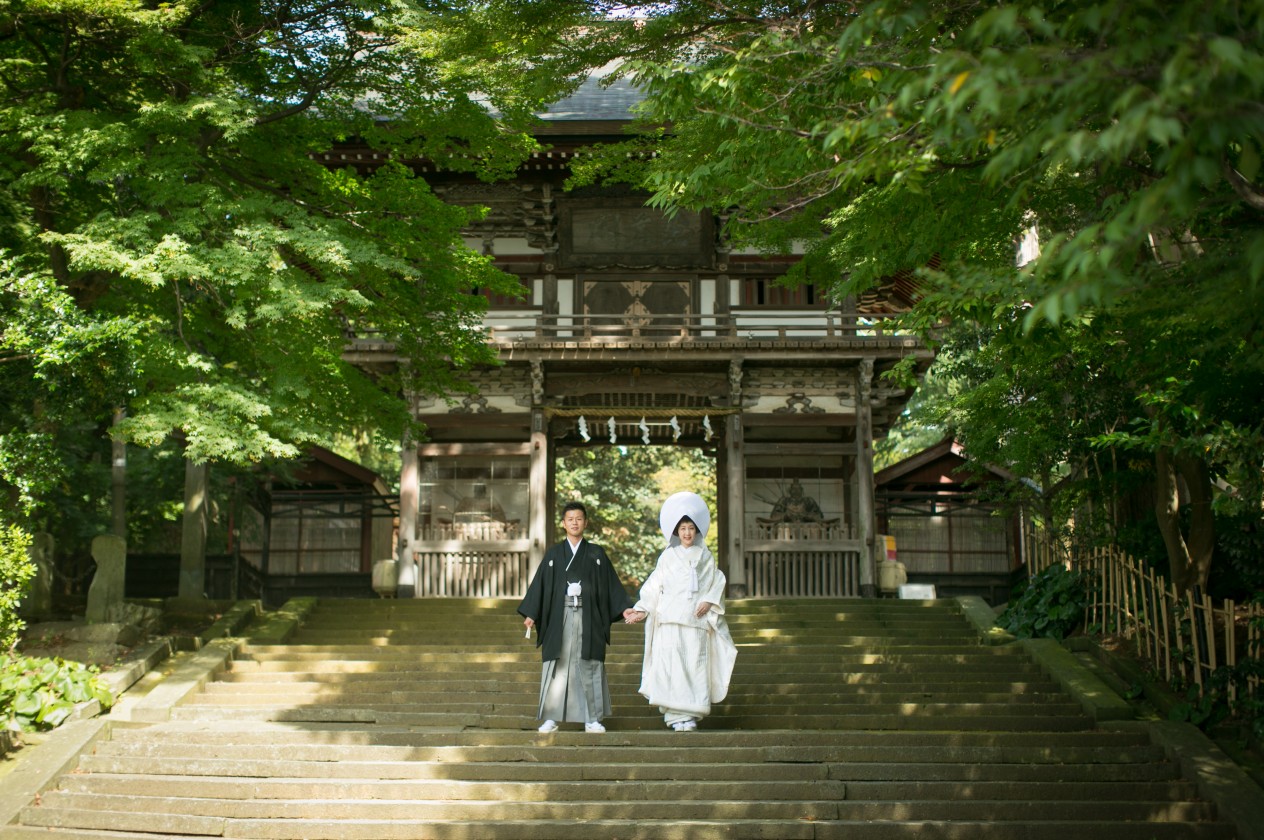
(624,489)
(896,133)
(16,572)
(177,240)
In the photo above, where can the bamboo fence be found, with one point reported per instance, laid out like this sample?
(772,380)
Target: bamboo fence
(1185,636)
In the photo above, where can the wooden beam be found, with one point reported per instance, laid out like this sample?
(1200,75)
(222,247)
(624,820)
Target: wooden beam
(800,448)
(473,450)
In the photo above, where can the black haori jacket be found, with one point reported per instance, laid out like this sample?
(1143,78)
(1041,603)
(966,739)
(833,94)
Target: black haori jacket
(604,599)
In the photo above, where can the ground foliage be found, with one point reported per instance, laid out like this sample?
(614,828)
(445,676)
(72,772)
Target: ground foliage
(1123,137)
(1051,605)
(35,693)
(38,693)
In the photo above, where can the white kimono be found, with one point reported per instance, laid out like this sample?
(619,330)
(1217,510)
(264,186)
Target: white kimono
(688,660)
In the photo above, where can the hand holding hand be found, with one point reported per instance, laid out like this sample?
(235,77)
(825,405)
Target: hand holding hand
(631,616)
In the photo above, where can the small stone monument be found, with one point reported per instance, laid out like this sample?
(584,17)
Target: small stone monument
(386,577)
(105,595)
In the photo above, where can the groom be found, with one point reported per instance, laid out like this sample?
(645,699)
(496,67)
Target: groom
(573,599)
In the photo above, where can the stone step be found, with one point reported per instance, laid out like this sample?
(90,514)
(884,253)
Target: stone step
(966,722)
(756,653)
(219,732)
(839,706)
(515,639)
(1163,790)
(630,771)
(452,789)
(663,829)
(695,753)
(804,808)
(416,719)
(411,692)
(753,627)
(522,680)
(666,770)
(791,607)
(770,666)
(751,807)
(525,708)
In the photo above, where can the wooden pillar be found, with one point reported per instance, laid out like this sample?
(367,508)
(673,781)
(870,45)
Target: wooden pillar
(864,477)
(538,494)
(734,490)
(735,505)
(193,536)
(409,501)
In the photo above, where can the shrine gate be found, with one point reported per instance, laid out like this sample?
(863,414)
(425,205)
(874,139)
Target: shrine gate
(637,327)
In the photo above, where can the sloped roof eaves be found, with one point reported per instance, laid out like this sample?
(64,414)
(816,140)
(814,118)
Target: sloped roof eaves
(357,473)
(918,461)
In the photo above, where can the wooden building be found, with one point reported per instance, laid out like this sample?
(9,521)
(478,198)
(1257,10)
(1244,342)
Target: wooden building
(949,531)
(638,327)
(314,531)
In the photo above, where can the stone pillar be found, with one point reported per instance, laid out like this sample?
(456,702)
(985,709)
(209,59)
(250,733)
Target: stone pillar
(864,478)
(39,601)
(538,490)
(193,538)
(105,594)
(409,501)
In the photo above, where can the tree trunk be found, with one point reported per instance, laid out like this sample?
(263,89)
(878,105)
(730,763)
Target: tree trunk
(118,481)
(1201,542)
(1167,507)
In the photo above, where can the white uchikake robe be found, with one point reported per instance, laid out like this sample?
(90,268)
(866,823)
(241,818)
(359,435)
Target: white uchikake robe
(688,660)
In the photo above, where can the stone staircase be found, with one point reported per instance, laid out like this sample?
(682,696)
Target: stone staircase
(415,719)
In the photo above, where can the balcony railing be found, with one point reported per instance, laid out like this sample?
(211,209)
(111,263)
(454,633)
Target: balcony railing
(515,327)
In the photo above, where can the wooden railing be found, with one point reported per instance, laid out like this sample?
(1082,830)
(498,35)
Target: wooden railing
(1185,637)
(471,531)
(822,573)
(475,573)
(802,560)
(517,326)
(800,531)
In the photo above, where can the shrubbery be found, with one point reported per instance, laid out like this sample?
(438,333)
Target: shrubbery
(1052,605)
(16,571)
(35,693)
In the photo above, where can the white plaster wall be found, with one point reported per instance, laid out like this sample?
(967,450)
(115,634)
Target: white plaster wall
(508,246)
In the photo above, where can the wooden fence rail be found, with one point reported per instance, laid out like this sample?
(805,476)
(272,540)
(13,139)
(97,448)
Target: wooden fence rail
(803,574)
(472,574)
(1185,637)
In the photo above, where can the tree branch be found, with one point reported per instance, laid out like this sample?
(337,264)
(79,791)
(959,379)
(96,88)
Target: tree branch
(1246,191)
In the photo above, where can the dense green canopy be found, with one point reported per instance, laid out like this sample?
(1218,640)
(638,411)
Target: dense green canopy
(1123,137)
(174,243)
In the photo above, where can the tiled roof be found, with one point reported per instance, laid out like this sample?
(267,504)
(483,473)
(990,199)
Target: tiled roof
(595,101)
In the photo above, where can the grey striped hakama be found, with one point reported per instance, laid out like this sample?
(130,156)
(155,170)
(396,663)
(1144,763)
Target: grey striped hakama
(571,688)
